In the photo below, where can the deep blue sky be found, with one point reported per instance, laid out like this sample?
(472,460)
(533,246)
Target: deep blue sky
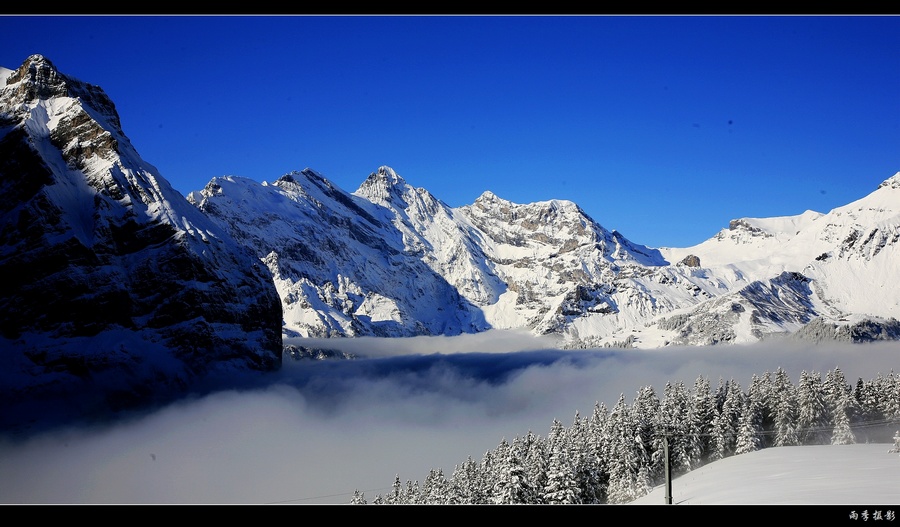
(663,128)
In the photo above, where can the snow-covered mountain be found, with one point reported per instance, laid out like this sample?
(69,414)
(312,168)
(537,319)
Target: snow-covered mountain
(344,265)
(116,271)
(114,285)
(838,269)
(391,259)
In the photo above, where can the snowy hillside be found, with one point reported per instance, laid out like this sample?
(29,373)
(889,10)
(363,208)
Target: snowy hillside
(858,476)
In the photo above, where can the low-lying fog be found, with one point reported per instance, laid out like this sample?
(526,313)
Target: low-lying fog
(318,430)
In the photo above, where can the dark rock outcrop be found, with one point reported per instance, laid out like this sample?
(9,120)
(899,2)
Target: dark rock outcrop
(691,260)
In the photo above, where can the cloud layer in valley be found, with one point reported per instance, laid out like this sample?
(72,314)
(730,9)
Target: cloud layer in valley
(318,430)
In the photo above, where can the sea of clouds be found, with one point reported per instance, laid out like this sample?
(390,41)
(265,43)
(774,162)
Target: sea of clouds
(318,430)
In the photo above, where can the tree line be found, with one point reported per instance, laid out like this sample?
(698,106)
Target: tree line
(617,455)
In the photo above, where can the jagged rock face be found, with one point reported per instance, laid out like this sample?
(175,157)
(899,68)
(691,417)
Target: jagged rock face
(107,266)
(557,262)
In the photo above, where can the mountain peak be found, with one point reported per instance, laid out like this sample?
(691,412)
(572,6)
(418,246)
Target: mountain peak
(37,79)
(40,79)
(381,185)
(38,59)
(487,197)
(387,174)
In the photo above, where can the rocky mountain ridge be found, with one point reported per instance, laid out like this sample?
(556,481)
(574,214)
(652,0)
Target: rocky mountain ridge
(549,267)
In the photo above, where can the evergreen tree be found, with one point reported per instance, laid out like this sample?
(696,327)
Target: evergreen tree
(701,413)
(588,475)
(466,484)
(727,421)
(435,488)
(412,493)
(840,404)
(786,433)
(561,486)
(673,421)
(358,499)
(598,438)
(843,434)
(488,471)
(749,428)
(628,472)
(534,452)
(812,419)
(644,417)
(396,496)
(512,484)
(761,395)
(888,389)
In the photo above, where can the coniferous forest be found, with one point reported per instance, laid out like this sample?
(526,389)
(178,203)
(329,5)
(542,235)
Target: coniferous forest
(617,455)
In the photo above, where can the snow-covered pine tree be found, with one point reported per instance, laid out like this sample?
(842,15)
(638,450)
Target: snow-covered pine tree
(700,418)
(761,394)
(511,485)
(434,489)
(561,486)
(628,471)
(749,428)
(396,496)
(843,433)
(813,413)
(465,484)
(598,438)
(840,403)
(785,396)
(358,498)
(534,452)
(673,421)
(412,493)
(727,420)
(587,472)
(645,417)
(888,388)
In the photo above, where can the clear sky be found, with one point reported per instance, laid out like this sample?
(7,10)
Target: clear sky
(661,127)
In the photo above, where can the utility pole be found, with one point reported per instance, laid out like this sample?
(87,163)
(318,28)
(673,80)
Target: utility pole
(668,470)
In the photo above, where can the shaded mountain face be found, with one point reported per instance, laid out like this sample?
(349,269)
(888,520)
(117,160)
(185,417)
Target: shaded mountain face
(115,284)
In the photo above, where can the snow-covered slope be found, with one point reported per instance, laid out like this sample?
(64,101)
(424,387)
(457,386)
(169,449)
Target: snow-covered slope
(114,283)
(858,476)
